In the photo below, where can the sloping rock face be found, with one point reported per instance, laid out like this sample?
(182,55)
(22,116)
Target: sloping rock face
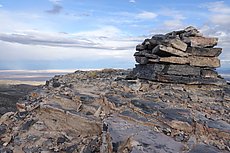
(103,112)
(183,56)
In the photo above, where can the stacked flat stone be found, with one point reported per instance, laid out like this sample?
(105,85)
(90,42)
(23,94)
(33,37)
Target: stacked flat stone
(184,56)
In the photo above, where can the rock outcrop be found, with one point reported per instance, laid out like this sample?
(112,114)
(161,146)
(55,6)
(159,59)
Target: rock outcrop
(102,112)
(183,56)
(106,112)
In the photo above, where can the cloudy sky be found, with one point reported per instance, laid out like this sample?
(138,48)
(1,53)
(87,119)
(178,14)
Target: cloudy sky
(74,34)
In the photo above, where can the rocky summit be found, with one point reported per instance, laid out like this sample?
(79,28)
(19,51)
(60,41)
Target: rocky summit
(118,111)
(184,56)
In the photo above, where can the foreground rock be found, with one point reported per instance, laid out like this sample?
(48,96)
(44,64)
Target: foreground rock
(10,94)
(102,111)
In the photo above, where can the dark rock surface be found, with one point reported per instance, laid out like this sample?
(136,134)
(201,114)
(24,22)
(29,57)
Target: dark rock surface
(102,111)
(10,94)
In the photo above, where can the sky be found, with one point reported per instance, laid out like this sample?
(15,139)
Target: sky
(91,34)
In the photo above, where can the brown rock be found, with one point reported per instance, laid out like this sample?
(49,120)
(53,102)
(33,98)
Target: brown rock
(179,125)
(162,50)
(174,60)
(178,44)
(203,41)
(204,61)
(191,60)
(208,73)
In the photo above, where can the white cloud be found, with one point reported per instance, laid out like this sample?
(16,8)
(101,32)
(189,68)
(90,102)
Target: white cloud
(173,24)
(218,7)
(0,5)
(132,1)
(175,21)
(146,15)
(221,19)
(104,43)
(219,13)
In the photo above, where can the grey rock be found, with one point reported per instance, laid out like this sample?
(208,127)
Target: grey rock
(164,51)
(140,47)
(140,138)
(147,107)
(177,114)
(141,60)
(201,148)
(198,51)
(133,115)
(2,129)
(28,124)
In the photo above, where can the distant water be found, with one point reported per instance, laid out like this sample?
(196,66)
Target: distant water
(43,75)
(27,75)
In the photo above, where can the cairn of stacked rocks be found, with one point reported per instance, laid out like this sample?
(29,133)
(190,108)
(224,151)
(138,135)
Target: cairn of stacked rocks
(184,56)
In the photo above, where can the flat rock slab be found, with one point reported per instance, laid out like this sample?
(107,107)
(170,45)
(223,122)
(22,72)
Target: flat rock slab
(212,62)
(198,51)
(203,41)
(189,80)
(141,60)
(151,70)
(202,148)
(178,44)
(148,107)
(163,73)
(139,138)
(162,51)
(177,114)
(204,61)
(146,53)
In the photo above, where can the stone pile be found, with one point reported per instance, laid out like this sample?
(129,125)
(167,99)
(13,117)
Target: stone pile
(184,56)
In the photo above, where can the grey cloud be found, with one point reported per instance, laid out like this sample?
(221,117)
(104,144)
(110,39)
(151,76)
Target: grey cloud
(57,41)
(55,10)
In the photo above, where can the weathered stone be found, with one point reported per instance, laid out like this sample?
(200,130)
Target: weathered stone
(137,138)
(212,62)
(174,60)
(132,115)
(209,73)
(198,51)
(204,61)
(151,69)
(203,41)
(191,32)
(140,47)
(178,44)
(146,54)
(202,148)
(115,100)
(2,129)
(163,51)
(177,114)
(181,69)
(141,60)
(28,124)
(187,80)
(149,44)
(147,107)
